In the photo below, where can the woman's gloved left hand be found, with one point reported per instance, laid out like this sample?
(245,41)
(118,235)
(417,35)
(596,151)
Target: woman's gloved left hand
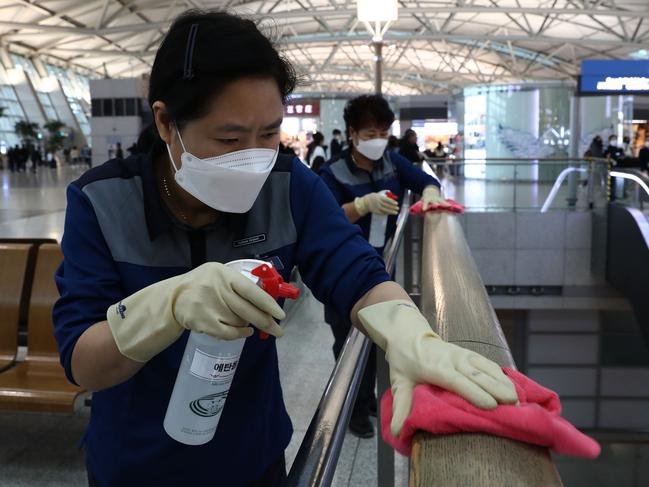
(417,355)
(432,199)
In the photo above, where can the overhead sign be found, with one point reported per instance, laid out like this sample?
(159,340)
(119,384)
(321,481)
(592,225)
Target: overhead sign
(614,77)
(302,108)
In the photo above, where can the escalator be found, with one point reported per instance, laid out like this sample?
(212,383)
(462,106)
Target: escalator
(627,263)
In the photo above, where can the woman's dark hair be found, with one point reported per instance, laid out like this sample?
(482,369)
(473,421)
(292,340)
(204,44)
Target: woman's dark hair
(367,110)
(203,51)
(407,134)
(318,138)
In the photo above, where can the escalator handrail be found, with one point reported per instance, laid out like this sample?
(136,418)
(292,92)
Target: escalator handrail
(635,175)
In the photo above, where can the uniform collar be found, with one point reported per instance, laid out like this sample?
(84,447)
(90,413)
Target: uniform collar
(347,155)
(158,218)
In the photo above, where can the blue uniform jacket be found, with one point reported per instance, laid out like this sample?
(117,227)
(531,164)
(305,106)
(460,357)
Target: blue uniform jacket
(119,238)
(393,172)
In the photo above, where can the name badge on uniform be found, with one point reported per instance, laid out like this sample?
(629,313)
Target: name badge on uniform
(249,240)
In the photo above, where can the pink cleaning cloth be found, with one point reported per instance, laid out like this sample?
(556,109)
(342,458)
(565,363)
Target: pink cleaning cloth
(536,420)
(452,206)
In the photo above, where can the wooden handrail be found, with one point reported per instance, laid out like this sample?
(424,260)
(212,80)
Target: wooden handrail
(455,301)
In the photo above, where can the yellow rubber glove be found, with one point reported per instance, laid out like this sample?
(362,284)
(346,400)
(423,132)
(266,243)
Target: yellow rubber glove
(419,356)
(432,196)
(432,199)
(210,299)
(378,203)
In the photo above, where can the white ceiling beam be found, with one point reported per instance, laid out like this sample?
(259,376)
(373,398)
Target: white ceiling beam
(347,13)
(100,20)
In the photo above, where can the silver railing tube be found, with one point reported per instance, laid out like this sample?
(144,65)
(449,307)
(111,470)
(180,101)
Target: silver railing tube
(317,457)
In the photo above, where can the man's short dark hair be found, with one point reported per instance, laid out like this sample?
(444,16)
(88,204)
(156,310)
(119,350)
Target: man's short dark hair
(368,110)
(337,132)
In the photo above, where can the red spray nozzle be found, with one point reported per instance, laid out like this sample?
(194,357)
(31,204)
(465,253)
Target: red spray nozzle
(271,281)
(391,195)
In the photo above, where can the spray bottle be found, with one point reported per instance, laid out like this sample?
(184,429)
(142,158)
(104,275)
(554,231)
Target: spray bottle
(208,366)
(379,224)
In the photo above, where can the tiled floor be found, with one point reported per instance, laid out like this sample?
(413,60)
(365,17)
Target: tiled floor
(40,449)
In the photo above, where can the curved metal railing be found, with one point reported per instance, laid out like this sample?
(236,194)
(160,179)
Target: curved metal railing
(641,185)
(317,457)
(524,183)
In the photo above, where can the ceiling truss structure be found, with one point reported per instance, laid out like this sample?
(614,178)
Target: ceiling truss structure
(435,46)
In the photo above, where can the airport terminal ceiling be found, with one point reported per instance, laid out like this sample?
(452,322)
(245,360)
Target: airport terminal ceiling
(435,46)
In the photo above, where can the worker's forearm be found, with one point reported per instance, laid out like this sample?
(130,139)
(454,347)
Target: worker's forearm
(97,362)
(386,291)
(350,212)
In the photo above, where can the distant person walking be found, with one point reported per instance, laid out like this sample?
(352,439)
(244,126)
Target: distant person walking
(36,157)
(316,155)
(408,147)
(12,156)
(643,156)
(336,145)
(596,148)
(74,154)
(23,157)
(613,151)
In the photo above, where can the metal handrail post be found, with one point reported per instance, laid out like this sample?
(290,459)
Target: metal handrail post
(384,452)
(317,457)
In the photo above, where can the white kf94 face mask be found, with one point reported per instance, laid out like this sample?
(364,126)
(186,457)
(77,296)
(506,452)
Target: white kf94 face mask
(228,183)
(373,148)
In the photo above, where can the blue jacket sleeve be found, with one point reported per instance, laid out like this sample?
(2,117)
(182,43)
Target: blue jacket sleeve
(410,176)
(332,183)
(87,280)
(334,259)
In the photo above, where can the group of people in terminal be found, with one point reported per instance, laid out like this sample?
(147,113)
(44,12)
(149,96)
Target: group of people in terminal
(30,157)
(318,152)
(146,241)
(622,155)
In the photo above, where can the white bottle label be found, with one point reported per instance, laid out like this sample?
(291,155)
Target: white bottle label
(215,369)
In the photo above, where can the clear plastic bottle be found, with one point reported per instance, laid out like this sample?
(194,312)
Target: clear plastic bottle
(207,370)
(378,225)
(202,385)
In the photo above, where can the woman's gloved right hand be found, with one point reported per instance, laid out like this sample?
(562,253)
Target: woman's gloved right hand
(378,203)
(212,299)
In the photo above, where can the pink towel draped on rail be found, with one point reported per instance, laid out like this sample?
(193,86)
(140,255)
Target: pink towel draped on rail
(450,205)
(536,420)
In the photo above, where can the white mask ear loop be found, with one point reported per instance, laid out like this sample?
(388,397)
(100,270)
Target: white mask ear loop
(171,158)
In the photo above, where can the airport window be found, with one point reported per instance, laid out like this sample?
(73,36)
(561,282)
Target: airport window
(130,107)
(108,107)
(119,107)
(96,108)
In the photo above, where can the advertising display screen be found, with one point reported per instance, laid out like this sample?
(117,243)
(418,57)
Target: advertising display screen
(614,77)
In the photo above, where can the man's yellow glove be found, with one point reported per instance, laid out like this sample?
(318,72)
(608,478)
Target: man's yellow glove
(210,299)
(419,356)
(378,203)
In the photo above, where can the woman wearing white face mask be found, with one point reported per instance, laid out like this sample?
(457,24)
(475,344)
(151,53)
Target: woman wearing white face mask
(613,151)
(144,246)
